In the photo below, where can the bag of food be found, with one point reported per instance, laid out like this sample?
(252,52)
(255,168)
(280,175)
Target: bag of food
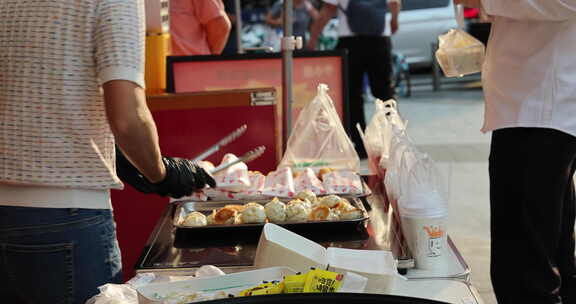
(458,52)
(378,134)
(318,139)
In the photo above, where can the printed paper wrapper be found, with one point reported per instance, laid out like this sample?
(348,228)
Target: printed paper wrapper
(235,178)
(342,182)
(280,183)
(257,183)
(221,195)
(307,180)
(199,196)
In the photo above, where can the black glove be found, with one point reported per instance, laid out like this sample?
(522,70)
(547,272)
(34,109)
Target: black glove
(182,177)
(130,175)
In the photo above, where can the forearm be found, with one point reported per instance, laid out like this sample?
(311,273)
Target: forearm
(326,13)
(394,8)
(543,10)
(133,127)
(274,22)
(217,31)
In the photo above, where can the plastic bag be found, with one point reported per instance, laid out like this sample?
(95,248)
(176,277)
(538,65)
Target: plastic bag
(398,164)
(319,140)
(378,135)
(424,191)
(458,52)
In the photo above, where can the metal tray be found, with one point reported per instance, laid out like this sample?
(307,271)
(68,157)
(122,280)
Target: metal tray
(185,207)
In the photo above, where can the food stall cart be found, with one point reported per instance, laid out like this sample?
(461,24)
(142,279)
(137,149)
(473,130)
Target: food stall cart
(172,251)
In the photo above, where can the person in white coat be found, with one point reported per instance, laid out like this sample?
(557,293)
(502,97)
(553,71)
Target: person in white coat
(529,80)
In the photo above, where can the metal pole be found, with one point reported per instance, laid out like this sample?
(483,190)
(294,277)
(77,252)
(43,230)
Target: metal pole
(287,53)
(238,11)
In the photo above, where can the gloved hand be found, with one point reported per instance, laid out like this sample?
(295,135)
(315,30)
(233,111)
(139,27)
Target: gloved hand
(182,177)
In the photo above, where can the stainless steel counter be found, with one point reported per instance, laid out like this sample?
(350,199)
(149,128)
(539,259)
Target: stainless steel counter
(172,250)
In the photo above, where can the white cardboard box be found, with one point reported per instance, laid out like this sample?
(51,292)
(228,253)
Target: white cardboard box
(279,247)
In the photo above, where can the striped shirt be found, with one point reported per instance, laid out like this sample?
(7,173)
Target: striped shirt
(54,57)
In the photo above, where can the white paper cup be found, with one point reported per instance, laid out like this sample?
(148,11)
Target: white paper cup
(427,240)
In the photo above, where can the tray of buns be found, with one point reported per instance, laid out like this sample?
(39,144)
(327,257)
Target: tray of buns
(306,209)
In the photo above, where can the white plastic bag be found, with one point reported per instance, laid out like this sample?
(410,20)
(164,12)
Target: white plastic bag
(458,52)
(378,135)
(319,140)
(397,163)
(424,191)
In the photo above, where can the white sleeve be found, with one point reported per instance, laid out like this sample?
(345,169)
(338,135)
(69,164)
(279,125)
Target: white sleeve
(119,40)
(543,10)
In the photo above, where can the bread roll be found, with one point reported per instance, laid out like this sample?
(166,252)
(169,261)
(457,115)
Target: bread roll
(275,211)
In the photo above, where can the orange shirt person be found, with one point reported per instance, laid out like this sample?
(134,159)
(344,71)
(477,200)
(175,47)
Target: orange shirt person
(198,27)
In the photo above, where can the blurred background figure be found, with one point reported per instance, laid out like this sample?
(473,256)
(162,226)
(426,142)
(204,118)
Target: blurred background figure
(231,46)
(363,32)
(198,27)
(304,14)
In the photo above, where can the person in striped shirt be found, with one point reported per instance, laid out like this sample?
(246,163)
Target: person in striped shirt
(71,89)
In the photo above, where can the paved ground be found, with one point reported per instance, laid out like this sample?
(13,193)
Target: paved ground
(446,124)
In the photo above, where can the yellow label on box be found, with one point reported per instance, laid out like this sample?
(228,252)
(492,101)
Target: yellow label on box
(264,289)
(294,283)
(319,280)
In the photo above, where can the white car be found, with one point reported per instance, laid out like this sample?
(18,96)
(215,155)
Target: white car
(420,24)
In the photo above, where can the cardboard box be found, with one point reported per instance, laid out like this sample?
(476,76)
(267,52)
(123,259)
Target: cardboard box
(279,247)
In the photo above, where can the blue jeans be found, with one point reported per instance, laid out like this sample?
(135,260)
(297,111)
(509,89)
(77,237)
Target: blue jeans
(56,256)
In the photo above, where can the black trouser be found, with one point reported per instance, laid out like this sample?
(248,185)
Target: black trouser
(532,216)
(371,55)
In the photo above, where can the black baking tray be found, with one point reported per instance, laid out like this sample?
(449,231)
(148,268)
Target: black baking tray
(184,207)
(225,235)
(325,298)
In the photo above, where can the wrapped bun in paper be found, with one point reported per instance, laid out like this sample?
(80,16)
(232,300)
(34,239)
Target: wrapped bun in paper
(280,183)
(257,183)
(343,182)
(221,195)
(234,178)
(308,180)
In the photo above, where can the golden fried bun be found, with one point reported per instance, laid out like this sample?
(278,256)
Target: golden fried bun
(307,195)
(195,219)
